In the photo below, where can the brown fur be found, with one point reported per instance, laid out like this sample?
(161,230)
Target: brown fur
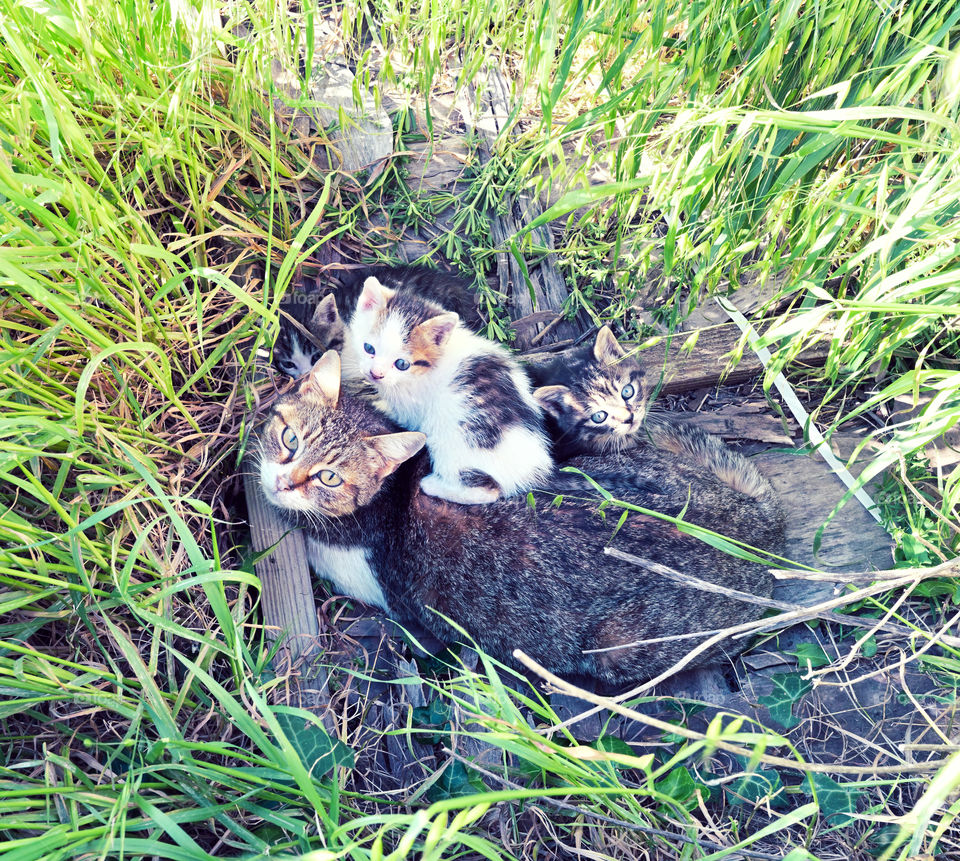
(425,349)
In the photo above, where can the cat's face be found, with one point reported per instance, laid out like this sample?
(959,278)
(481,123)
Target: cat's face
(314,454)
(396,336)
(604,400)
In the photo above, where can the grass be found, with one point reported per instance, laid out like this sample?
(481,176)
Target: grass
(141,174)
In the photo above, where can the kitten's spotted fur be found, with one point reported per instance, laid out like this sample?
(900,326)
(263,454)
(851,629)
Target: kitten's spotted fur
(468,395)
(595,397)
(511,575)
(317,324)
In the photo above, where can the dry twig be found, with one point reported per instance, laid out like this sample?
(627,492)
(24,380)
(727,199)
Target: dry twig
(678,729)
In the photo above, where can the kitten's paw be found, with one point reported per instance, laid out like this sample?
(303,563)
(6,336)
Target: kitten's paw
(434,485)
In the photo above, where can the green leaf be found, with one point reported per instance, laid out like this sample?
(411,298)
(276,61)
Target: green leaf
(319,752)
(799,854)
(763,783)
(837,802)
(613,744)
(456,781)
(434,715)
(787,689)
(680,787)
(809,654)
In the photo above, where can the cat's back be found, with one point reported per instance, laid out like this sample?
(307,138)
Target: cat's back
(537,577)
(492,386)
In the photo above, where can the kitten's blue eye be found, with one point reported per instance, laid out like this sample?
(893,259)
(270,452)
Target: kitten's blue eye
(599,418)
(401,364)
(329,478)
(628,391)
(368,348)
(289,439)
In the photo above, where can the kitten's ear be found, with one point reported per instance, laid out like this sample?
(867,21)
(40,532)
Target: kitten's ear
(373,295)
(556,400)
(394,449)
(324,378)
(437,329)
(606,350)
(326,312)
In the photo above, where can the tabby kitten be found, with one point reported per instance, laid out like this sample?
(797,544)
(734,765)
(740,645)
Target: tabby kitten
(468,395)
(595,397)
(513,576)
(302,318)
(603,407)
(296,350)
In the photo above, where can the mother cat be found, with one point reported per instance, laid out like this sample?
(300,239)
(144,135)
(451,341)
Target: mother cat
(512,575)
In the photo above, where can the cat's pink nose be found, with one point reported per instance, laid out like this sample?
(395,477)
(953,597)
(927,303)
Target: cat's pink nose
(376,375)
(283,483)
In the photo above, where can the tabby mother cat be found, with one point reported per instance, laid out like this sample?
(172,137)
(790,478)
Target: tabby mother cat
(512,575)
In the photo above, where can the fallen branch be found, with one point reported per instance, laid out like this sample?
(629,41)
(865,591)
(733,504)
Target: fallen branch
(950,568)
(792,612)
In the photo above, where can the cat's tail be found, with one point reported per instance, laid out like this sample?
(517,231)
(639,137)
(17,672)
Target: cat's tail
(710,452)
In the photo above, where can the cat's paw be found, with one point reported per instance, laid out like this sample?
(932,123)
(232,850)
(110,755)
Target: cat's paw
(434,485)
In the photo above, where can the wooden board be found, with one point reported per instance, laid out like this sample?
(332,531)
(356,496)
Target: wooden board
(851,541)
(286,593)
(706,364)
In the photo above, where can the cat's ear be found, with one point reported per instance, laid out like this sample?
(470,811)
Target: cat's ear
(606,350)
(436,330)
(394,449)
(324,378)
(556,400)
(374,295)
(326,313)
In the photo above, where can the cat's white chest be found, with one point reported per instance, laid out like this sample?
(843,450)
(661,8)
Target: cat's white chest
(349,570)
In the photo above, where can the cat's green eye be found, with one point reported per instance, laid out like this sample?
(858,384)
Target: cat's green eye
(368,348)
(598,418)
(401,364)
(628,391)
(329,478)
(289,439)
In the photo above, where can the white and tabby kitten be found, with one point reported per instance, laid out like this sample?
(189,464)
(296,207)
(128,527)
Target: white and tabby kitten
(468,395)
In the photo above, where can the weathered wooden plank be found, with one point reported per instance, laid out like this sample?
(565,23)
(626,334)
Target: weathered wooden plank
(287,599)
(706,363)
(286,594)
(852,541)
(748,423)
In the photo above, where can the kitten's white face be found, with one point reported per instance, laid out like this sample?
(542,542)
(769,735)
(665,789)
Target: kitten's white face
(395,339)
(380,347)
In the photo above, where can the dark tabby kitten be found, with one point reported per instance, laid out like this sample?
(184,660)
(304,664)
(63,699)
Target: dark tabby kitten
(596,401)
(318,326)
(513,576)
(595,397)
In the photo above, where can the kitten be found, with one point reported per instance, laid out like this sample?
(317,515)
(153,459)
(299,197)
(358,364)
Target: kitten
(296,350)
(596,400)
(511,575)
(468,395)
(595,397)
(297,347)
